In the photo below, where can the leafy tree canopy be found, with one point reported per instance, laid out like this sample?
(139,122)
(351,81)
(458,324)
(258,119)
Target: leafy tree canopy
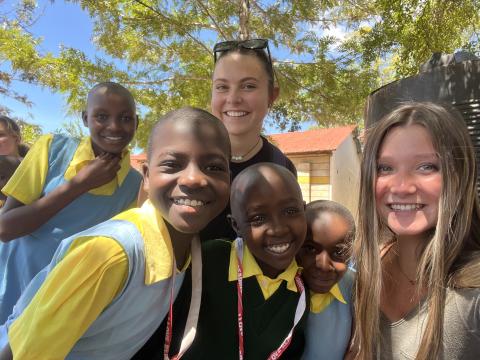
(161,49)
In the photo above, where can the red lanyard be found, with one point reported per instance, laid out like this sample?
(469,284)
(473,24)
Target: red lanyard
(193,312)
(301,305)
(168,331)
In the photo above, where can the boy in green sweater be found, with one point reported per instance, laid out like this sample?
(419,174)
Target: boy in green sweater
(253,303)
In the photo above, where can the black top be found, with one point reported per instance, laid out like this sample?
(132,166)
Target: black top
(219,228)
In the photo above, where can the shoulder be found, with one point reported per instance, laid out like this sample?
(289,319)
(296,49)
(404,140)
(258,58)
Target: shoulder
(466,302)
(133,218)
(42,144)
(98,249)
(62,140)
(346,284)
(134,175)
(278,157)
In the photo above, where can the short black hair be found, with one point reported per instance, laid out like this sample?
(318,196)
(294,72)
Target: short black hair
(254,175)
(195,118)
(113,87)
(317,207)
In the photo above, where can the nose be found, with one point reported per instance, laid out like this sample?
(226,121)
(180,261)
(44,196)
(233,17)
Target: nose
(277,227)
(402,183)
(234,97)
(323,262)
(114,124)
(192,177)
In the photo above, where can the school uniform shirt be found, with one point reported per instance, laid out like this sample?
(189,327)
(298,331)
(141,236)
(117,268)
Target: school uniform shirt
(52,161)
(268,308)
(329,322)
(220,227)
(104,294)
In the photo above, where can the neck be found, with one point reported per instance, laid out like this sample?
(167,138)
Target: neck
(181,244)
(268,270)
(243,144)
(408,251)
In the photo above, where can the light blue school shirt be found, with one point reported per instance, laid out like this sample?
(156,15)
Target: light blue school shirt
(22,258)
(328,332)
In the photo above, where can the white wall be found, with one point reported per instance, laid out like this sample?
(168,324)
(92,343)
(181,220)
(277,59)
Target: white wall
(345,174)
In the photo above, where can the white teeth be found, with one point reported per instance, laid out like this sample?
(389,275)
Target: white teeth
(236,113)
(113,138)
(405,207)
(279,249)
(188,202)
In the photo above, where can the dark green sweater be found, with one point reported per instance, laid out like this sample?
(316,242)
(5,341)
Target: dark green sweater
(266,322)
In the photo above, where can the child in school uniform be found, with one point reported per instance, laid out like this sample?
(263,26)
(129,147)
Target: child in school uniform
(65,185)
(109,287)
(8,165)
(253,303)
(324,257)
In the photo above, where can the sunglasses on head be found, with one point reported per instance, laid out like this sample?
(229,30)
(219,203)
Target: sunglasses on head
(251,44)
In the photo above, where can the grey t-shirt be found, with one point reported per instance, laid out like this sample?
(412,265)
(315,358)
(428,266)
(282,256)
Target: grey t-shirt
(461,329)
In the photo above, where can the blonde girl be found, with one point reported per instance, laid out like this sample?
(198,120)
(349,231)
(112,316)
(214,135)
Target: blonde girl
(418,246)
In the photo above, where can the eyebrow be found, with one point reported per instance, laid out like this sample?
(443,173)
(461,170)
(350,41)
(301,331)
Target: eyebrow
(248,78)
(417,156)
(290,201)
(220,156)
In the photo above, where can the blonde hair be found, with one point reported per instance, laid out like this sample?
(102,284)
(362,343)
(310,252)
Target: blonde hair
(451,258)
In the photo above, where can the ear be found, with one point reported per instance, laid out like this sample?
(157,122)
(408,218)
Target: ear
(18,139)
(138,120)
(234,224)
(274,96)
(304,206)
(85,118)
(146,185)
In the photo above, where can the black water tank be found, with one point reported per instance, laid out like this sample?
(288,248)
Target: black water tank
(452,79)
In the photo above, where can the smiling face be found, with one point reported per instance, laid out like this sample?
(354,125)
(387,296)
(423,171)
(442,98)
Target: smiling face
(8,141)
(324,254)
(241,93)
(409,181)
(111,119)
(187,176)
(270,216)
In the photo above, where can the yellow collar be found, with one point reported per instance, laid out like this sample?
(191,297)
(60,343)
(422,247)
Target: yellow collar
(318,302)
(157,242)
(84,154)
(251,268)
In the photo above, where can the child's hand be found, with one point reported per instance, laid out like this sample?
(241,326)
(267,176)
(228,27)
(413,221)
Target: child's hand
(98,172)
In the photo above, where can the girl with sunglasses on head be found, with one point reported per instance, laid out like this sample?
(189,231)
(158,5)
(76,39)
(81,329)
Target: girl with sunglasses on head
(243,91)
(417,248)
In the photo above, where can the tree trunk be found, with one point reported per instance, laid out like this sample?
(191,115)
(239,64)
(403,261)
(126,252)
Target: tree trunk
(244,19)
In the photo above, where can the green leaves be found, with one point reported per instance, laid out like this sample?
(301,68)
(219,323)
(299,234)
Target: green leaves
(161,50)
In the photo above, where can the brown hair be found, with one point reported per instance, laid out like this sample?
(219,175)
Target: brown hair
(13,127)
(451,258)
(261,56)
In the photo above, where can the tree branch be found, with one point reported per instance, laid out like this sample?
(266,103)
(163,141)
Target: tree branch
(297,83)
(216,25)
(175,23)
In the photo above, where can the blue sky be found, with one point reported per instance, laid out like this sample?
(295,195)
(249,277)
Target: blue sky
(60,24)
